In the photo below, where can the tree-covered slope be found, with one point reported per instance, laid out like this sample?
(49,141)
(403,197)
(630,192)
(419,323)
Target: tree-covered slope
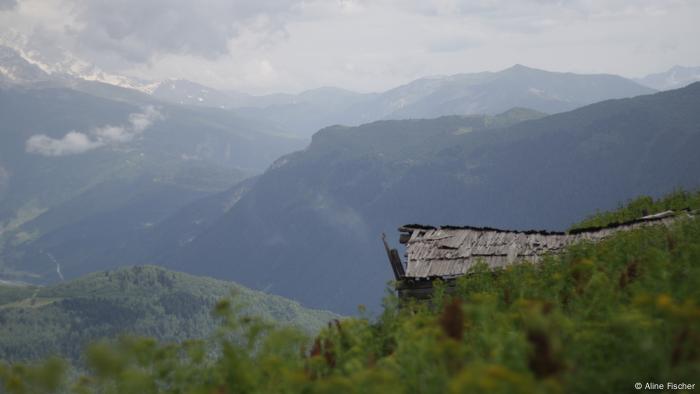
(143,300)
(309,229)
(599,318)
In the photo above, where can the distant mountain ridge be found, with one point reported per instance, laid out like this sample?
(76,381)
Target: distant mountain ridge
(462,94)
(495,92)
(459,94)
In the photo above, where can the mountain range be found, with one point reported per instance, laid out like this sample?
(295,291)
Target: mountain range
(462,94)
(95,176)
(303,114)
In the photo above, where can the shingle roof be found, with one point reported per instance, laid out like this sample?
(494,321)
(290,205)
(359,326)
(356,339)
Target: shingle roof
(450,251)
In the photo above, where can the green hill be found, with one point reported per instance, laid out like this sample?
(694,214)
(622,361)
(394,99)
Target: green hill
(150,301)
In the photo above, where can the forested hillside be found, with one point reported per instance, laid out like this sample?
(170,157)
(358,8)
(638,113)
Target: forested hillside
(610,315)
(61,319)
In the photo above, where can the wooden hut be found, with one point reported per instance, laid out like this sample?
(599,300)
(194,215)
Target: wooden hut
(448,252)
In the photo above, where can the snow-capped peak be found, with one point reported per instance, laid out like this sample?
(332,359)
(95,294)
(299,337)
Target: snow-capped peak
(13,52)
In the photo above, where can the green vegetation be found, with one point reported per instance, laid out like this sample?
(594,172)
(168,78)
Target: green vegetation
(36,322)
(642,206)
(597,319)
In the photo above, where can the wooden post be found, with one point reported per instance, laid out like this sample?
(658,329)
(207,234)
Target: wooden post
(394,260)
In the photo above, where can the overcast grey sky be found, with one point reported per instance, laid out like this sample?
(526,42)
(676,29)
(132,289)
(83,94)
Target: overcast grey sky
(290,45)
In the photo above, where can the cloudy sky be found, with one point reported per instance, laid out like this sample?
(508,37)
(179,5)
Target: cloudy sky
(263,46)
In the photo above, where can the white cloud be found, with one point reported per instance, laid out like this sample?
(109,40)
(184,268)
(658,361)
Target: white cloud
(139,30)
(70,144)
(76,142)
